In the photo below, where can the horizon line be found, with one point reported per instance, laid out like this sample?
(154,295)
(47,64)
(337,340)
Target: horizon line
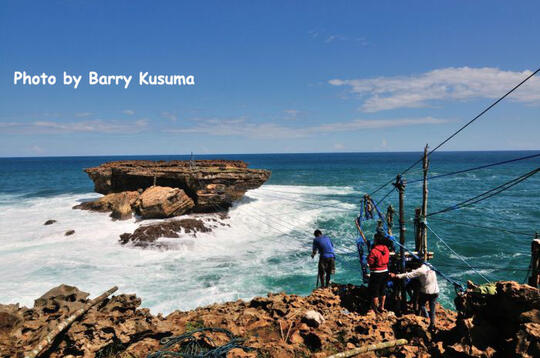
(263,153)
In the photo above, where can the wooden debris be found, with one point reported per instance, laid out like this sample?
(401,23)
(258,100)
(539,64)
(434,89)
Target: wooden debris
(369,348)
(46,342)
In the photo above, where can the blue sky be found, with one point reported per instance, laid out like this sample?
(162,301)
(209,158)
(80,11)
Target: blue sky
(282,76)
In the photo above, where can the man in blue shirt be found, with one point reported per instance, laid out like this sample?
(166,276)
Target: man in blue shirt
(327,258)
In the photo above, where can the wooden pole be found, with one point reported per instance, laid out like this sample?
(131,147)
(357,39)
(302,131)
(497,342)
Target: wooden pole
(417,230)
(534,280)
(361,233)
(49,338)
(400,185)
(370,348)
(424,205)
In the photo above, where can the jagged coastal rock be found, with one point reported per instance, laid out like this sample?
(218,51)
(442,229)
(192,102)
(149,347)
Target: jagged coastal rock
(161,189)
(146,235)
(503,324)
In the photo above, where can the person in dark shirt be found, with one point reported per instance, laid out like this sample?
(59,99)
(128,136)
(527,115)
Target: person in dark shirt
(327,258)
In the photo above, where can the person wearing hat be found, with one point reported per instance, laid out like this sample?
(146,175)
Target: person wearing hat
(378,259)
(429,288)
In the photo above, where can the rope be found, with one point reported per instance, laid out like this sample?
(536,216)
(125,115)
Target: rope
(483,227)
(384,197)
(456,284)
(263,188)
(462,128)
(492,268)
(319,205)
(477,168)
(264,218)
(458,255)
(488,194)
(189,346)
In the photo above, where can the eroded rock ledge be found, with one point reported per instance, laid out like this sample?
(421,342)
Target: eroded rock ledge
(159,189)
(506,324)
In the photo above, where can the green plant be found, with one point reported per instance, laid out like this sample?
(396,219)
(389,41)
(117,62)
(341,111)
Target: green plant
(194,325)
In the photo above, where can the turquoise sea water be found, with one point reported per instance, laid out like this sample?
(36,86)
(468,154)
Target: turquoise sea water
(267,246)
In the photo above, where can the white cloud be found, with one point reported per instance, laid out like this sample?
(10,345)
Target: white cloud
(292,114)
(329,37)
(9,124)
(83,114)
(170,116)
(463,83)
(339,146)
(129,112)
(244,128)
(90,126)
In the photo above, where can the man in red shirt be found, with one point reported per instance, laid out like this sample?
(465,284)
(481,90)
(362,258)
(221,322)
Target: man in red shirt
(378,266)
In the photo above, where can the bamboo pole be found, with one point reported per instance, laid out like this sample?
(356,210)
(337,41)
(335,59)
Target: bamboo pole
(370,348)
(44,344)
(424,204)
(361,232)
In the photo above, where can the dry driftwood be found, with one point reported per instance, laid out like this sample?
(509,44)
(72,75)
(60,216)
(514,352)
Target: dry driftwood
(44,344)
(369,348)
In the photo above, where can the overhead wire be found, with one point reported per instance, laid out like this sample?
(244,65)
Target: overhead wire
(476,168)
(458,255)
(488,194)
(460,129)
(482,226)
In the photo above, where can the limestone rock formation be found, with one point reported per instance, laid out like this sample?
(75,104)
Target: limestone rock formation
(274,326)
(163,202)
(502,325)
(207,182)
(212,186)
(507,322)
(120,204)
(122,211)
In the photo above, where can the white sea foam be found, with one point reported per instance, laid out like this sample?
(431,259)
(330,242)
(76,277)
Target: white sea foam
(268,238)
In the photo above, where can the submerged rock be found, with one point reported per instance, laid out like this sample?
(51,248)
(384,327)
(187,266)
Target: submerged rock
(145,235)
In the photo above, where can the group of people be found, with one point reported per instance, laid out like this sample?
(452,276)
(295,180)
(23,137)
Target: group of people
(378,260)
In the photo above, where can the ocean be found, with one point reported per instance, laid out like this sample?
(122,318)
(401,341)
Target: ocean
(267,246)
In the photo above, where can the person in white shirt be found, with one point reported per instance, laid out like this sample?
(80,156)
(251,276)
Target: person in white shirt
(429,288)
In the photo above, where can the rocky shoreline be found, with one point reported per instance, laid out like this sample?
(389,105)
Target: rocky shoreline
(503,324)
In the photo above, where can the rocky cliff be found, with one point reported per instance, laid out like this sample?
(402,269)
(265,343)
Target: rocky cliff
(158,189)
(505,324)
